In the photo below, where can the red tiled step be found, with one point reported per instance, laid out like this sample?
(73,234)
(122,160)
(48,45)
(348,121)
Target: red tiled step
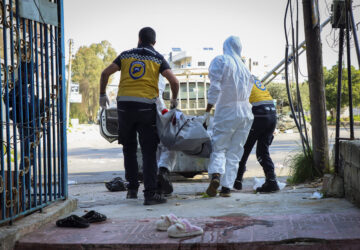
(329,231)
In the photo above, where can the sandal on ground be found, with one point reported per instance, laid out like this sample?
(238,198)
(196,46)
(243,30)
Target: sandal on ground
(184,228)
(166,221)
(73,221)
(94,216)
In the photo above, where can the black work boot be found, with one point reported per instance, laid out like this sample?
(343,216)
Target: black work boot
(131,194)
(238,185)
(269,186)
(154,199)
(225,192)
(213,186)
(164,183)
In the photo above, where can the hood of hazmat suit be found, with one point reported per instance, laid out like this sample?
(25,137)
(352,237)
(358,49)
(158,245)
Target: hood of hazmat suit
(230,87)
(231,83)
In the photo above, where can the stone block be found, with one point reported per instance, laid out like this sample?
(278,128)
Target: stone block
(345,151)
(342,146)
(354,178)
(358,181)
(347,178)
(354,197)
(355,153)
(333,186)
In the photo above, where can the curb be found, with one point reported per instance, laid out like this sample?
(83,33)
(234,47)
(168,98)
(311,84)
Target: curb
(10,234)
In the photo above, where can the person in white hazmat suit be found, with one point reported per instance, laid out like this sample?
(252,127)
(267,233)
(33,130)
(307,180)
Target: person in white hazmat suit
(166,158)
(230,88)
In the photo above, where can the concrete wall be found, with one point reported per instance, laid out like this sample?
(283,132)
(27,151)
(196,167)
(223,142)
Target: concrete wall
(350,169)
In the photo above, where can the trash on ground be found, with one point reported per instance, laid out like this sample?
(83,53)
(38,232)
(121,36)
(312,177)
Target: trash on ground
(70,182)
(281,185)
(279,165)
(316,195)
(289,131)
(258,182)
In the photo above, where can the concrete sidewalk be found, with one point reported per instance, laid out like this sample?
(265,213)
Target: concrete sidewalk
(246,220)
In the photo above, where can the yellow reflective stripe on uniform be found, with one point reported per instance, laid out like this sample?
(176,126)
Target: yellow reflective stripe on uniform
(259,93)
(139,78)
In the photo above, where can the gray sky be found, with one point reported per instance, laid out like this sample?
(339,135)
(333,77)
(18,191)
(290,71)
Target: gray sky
(192,24)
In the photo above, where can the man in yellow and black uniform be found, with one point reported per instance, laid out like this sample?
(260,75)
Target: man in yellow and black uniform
(261,132)
(138,89)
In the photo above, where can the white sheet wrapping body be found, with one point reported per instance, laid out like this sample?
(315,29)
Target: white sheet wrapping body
(183,133)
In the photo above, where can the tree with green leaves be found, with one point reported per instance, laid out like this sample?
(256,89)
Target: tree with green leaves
(278,92)
(331,81)
(87,66)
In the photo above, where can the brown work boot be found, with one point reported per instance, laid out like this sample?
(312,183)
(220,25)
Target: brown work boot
(213,186)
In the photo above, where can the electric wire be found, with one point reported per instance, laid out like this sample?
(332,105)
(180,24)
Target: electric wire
(298,123)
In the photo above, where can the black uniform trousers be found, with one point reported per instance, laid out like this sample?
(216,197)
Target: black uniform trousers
(139,118)
(261,132)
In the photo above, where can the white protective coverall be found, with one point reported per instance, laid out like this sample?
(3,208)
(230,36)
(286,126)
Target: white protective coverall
(166,158)
(230,87)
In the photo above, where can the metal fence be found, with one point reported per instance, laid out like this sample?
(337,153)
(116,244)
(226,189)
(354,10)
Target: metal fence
(32,107)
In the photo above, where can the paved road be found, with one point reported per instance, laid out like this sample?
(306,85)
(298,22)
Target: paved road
(89,153)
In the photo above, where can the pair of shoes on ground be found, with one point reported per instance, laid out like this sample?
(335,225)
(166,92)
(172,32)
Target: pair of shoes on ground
(81,222)
(164,184)
(116,184)
(177,228)
(214,185)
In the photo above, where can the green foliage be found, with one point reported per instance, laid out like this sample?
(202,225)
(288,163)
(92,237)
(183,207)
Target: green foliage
(345,119)
(87,66)
(302,167)
(205,195)
(331,81)
(278,91)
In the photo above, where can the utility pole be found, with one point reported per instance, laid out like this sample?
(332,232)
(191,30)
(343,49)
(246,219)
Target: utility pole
(316,85)
(68,84)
